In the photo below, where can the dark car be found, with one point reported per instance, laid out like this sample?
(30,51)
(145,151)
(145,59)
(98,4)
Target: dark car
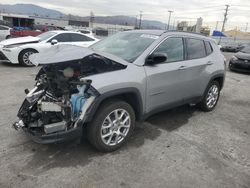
(241,60)
(232,48)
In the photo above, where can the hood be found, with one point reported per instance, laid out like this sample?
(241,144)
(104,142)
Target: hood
(244,56)
(20,40)
(66,52)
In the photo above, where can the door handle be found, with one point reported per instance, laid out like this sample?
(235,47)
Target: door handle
(210,63)
(182,67)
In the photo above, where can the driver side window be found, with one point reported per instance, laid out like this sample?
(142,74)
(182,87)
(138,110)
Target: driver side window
(63,37)
(173,47)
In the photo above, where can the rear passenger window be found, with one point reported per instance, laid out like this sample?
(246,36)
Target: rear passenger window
(195,49)
(208,47)
(173,47)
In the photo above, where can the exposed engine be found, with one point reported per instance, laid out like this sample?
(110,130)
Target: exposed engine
(62,96)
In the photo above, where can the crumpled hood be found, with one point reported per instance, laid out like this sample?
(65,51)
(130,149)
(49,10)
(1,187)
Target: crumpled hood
(244,56)
(67,52)
(20,40)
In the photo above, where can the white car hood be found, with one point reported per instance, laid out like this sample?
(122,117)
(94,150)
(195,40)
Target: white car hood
(66,52)
(20,40)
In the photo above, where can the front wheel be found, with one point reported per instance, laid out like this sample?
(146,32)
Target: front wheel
(211,97)
(112,125)
(24,57)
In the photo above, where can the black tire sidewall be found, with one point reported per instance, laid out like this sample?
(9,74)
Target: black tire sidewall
(203,105)
(20,57)
(94,128)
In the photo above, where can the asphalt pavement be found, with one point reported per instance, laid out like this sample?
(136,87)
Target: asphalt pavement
(182,147)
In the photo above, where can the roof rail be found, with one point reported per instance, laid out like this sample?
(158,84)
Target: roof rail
(185,32)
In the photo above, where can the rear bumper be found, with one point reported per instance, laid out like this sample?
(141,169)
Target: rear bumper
(57,137)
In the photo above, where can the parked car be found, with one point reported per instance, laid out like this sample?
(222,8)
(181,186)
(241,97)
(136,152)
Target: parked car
(4,32)
(232,47)
(241,60)
(123,78)
(32,31)
(18,50)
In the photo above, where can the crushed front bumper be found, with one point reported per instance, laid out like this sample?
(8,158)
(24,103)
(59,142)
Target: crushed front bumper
(3,58)
(57,137)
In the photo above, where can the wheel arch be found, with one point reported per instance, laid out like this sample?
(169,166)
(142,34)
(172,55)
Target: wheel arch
(25,49)
(219,78)
(130,95)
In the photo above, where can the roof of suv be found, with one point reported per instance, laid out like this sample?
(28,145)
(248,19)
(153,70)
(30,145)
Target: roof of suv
(170,32)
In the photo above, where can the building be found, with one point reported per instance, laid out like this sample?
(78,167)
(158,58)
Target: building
(17,20)
(235,33)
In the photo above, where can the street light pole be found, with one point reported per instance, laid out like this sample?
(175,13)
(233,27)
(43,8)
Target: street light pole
(170,12)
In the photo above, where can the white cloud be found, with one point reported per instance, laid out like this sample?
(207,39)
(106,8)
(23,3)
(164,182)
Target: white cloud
(211,10)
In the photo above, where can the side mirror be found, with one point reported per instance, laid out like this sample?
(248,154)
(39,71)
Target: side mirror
(53,42)
(156,58)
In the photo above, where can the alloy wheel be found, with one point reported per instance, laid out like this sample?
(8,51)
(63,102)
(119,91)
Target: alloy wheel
(212,96)
(115,127)
(26,59)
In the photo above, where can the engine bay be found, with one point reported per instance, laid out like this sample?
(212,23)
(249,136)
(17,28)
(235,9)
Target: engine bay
(62,95)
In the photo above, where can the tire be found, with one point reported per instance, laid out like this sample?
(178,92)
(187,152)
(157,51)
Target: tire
(23,57)
(8,37)
(230,67)
(101,126)
(212,92)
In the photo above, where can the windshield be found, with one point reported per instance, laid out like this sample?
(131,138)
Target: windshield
(126,45)
(246,50)
(46,35)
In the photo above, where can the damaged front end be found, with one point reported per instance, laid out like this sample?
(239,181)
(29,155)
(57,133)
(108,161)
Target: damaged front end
(58,106)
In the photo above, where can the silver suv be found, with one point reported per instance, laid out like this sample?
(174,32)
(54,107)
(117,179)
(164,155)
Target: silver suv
(126,77)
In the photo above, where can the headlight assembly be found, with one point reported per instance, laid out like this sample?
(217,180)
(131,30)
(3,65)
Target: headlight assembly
(234,58)
(12,46)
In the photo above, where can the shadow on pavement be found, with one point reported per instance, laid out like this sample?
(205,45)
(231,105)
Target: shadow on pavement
(172,119)
(81,152)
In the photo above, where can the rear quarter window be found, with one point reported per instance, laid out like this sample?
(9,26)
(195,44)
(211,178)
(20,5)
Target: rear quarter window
(209,48)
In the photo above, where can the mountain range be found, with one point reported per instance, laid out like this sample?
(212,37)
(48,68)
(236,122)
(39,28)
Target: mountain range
(34,10)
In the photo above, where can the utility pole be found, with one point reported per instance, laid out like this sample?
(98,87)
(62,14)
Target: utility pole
(140,20)
(225,18)
(216,25)
(136,22)
(246,27)
(169,17)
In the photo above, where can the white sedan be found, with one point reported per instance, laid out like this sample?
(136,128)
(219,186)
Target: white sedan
(4,32)
(18,50)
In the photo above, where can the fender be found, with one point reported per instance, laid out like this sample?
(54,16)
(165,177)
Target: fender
(138,107)
(218,75)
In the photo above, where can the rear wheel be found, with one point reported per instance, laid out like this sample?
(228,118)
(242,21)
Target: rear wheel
(211,96)
(24,57)
(112,125)
(230,66)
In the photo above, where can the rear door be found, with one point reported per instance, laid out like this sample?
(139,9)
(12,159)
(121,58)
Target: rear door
(198,60)
(166,82)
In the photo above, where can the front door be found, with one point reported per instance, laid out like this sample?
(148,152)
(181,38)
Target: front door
(166,82)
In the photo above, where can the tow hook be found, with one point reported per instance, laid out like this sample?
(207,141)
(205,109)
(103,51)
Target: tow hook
(18,125)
